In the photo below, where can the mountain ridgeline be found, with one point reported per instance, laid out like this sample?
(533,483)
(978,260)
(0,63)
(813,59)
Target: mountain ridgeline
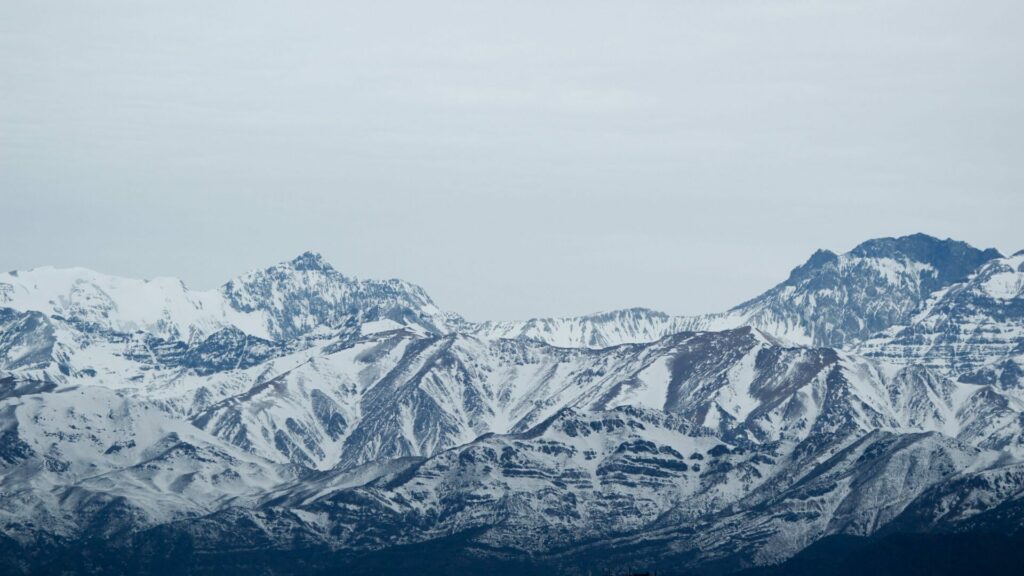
(298,420)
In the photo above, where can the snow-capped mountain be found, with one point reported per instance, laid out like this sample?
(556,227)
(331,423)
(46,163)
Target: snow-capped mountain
(838,300)
(300,413)
(830,300)
(280,303)
(296,297)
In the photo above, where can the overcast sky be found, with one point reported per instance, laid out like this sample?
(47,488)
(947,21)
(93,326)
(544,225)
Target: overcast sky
(517,159)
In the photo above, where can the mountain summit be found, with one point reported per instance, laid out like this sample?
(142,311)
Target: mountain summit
(306,293)
(310,261)
(829,300)
(297,419)
(280,302)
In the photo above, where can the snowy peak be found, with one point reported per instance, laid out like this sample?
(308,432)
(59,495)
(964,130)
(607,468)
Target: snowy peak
(952,260)
(830,300)
(280,303)
(310,261)
(817,261)
(930,262)
(837,300)
(306,293)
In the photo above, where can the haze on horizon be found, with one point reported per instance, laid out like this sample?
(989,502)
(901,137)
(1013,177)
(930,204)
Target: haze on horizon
(516,160)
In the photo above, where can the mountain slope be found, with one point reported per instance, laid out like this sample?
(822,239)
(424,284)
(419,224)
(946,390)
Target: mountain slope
(80,459)
(967,325)
(311,420)
(583,492)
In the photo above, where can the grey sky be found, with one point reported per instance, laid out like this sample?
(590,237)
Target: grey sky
(516,159)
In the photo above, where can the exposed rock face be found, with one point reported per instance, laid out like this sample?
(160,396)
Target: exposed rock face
(303,413)
(966,326)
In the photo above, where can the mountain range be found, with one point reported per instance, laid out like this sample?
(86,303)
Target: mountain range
(298,420)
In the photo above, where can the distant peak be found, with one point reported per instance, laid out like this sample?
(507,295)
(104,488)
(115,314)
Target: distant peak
(817,260)
(910,245)
(952,259)
(310,261)
(821,257)
(921,247)
(636,311)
